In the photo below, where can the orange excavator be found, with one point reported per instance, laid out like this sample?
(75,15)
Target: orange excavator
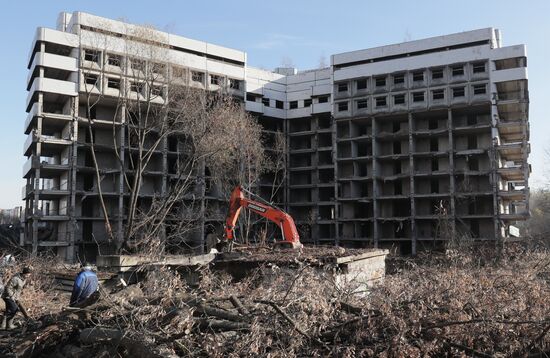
(291,239)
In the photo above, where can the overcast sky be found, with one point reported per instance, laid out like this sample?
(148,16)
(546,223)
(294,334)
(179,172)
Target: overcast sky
(275,32)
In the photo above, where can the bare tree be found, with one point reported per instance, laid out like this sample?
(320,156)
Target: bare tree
(157,106)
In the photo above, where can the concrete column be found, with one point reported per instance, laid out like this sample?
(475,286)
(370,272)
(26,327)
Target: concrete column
(36,196)
(452,189)
(411,183)
(335,166)
(375,235)
(493,177)
(315,181)
(121,182)
(70,253)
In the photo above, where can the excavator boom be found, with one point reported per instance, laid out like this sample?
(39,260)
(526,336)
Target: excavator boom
(238,201)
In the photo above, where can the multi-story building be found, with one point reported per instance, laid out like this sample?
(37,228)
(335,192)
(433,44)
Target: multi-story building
(406,144)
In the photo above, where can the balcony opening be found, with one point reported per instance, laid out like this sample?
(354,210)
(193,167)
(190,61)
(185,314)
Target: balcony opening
(397,188)
(88,182)
(114,60)
(435,164)
(397,167)
(234,84)
(472,142)
(362,104)
(197,77)
(91,55)
(307,102)
(396,127)
(265,101)
(380,81)
(474,229)
(280,104)
(471,120)
(157,91)
(418,76)
(457,70)
(342,87)
(88,160)
(434,145)
(434,186)
(113,82)
(293,104)
(399,79)
(438,94)
(91,79)
(473,164)
(342,106)
(396,147)
(136,87)
(418,96)
(458,92)
(361,84)
(437,74)
(323,99)
(138,65)
(172,144)
(216,80)
(399,99)
(480,89)
(478,67)
(432,123)
(381,101)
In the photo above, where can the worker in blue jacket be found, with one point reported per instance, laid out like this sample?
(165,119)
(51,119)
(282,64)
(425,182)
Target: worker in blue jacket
(85,288)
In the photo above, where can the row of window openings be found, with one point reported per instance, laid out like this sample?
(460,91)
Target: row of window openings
(416,97)
(114,83)
(417,77)
(292,104)
(177,72)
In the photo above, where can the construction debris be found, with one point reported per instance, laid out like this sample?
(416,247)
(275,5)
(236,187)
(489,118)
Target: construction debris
(459,306)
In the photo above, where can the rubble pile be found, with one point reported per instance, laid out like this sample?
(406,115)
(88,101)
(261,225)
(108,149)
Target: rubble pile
(458,307)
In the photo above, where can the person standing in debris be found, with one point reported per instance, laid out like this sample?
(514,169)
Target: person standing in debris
(85,288)
(6,262)
(11,296)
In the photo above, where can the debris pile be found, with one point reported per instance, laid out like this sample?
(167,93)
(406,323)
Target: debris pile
(429,308)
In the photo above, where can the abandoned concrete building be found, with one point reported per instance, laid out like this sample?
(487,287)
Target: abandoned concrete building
(381,146)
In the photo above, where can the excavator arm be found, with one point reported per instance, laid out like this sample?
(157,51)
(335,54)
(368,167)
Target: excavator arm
(238,201)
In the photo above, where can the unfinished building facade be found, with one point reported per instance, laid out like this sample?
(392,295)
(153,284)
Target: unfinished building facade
(412,144)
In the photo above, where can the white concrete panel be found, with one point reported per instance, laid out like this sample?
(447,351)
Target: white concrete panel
(321,107)
(226,52)
(274,112)
(226,69)
(53,36)
(509,52)
(322,89)
(415,62)
(277,95)
(254,107)
(299,112)
(294,96)
(272,86)
(52,86)
(412,46)
(301,77)
(53,61)
(511,74)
